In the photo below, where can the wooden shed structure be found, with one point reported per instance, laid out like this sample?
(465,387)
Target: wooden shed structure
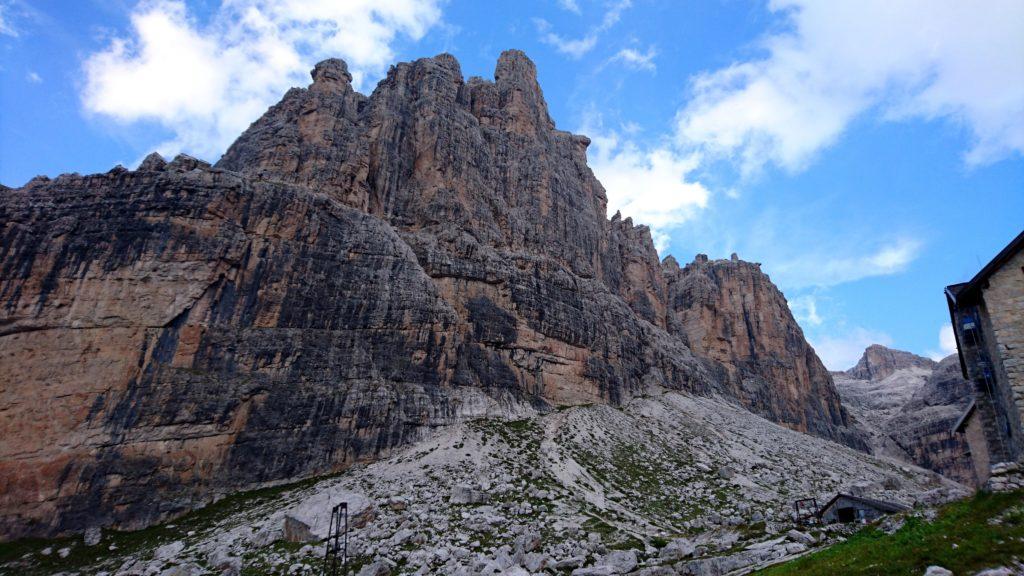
(849,508)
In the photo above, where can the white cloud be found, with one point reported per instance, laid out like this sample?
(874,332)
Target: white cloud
(805,310)
(577,47)
(207,83)
(6,28)
(635,59)
(842,352)
(570,5)
(34,78)
(832,263)
(614,13)
(574,48)
(837,59)
(648,184)
(947,343)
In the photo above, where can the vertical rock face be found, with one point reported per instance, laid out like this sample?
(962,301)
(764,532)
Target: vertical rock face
(729,311)
(908,405)
(354,271)
(469,163)
(186,331)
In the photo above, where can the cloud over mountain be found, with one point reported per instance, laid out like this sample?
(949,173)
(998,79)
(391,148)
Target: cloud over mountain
(206,81)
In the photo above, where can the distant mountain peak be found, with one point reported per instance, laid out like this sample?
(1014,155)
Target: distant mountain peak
(879,361)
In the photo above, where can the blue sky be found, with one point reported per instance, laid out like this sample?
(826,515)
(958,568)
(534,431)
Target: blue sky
(866,153)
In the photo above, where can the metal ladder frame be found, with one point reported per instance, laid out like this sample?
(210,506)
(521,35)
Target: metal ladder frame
(337,541)
(801,505)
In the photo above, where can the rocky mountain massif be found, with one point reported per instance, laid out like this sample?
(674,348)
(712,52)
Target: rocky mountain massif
(355,272)
(909,405)
(660,485)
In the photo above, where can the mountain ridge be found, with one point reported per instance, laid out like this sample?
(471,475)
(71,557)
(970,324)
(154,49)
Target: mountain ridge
(355,272)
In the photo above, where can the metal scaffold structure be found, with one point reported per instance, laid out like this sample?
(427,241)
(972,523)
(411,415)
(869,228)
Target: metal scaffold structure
(336,555)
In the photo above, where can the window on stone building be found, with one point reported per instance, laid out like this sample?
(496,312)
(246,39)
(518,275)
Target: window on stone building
(969,328)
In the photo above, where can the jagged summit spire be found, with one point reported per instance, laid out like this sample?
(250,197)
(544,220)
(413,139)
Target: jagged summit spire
(514,66)
(152,163)
(515,76)
(331,73)
(450,62)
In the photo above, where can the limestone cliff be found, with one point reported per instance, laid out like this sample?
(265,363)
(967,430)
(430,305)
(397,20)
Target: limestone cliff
(353,272)
(729,311)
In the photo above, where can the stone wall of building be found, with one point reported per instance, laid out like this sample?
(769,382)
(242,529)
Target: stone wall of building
(1004,302)
(977,354)
(974,434)
(994,356)
(1006,477)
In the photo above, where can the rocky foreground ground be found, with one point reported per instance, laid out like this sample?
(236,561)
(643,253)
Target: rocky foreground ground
(666,484)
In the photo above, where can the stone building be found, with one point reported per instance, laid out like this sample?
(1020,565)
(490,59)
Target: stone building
(988,320)
(849,508)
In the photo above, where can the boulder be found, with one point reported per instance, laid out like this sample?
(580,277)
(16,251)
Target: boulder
(801,537)
(378,568)
(570,562)
(296,530)
(225,563)
(620,561)
(677,549)
(169,551)
(465,494)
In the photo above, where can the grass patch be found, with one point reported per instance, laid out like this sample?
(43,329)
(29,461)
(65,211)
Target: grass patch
(752,531)
(612,537)
(965,537)
(257,562)
(654,478)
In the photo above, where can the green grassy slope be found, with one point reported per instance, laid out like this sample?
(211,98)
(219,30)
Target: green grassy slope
(984,531)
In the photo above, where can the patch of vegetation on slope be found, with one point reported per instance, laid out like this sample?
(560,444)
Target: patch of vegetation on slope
(985,531)
(650,475)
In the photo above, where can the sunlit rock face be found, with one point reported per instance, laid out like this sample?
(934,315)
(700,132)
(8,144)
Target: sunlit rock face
(355,271)
(729,311)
